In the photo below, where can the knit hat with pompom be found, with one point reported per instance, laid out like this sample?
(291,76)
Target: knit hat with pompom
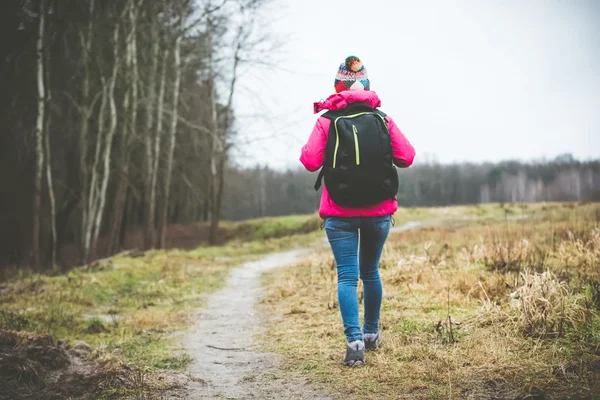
(352,75)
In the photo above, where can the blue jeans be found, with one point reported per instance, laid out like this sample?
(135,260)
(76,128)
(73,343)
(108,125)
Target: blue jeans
(343,236)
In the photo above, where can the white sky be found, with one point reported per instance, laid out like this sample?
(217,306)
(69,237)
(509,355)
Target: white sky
(465,80)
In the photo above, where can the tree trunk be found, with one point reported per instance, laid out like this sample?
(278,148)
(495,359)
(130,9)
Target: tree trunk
(91,207)
(172,134)
(51,196)
(131,105)
(205,211)
(39,143)
(118,211)
(126,222)
(220,147)
(263,192)
(148,201)
(101,194)
(49,179)
(214,150)
(151,224)
(86,47)
(216,213)
(109,137)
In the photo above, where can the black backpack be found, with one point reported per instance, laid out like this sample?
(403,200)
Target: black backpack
(359,166)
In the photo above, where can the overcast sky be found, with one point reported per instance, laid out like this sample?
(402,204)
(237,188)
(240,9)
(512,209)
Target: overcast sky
(475,80)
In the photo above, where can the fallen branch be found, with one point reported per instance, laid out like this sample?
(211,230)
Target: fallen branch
(226,348)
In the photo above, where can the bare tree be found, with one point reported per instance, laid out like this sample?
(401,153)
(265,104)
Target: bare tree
(109,138)
(85,110)
(131,83)
(100,176)
(51,195)
(173,128)
(131,106)
(48,158)
(155,157)
(149,199)
(39,140)
(243,42)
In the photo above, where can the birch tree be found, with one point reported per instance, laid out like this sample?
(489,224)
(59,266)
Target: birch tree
(48,158)
(155,156)
(173,127)
(130,106)
(101,168)
(149,189)
(85,110)
(101,198)
(39,139)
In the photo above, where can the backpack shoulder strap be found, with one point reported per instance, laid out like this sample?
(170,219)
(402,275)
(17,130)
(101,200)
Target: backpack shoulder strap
(383,116)
(332,115)
(378,111)
(351,109)
(319,181)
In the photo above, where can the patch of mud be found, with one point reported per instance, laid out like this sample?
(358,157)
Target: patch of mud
(34,366)
(226,362)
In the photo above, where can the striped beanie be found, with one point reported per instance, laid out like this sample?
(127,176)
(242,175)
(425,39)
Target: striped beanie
(352,75)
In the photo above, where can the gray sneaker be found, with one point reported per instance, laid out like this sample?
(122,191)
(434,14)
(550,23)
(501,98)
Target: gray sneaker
(355,354)
(372,341)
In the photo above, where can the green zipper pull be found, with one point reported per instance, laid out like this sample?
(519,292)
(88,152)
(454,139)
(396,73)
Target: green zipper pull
(356,144)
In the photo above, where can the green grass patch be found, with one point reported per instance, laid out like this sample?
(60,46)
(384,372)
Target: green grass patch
(270,227)
(127,308)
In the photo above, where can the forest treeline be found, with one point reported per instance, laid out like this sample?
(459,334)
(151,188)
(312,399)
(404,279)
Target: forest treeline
(116,115)
(118,122)
(257,192)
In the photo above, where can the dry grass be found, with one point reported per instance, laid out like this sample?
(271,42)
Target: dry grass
(545,307)
(472,309)
(124,309)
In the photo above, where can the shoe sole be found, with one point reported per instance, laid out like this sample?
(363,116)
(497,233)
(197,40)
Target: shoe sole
(354,363)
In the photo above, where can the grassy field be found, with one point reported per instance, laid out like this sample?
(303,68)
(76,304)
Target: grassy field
(496,301)
(481,299)
(110,328)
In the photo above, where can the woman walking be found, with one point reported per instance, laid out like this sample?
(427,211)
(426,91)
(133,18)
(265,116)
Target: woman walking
(356,146)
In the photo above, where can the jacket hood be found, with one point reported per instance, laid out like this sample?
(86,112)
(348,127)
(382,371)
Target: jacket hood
(343,99)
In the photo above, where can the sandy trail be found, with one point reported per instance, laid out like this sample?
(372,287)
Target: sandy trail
(226,363)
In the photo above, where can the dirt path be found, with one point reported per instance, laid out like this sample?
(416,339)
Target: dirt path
(407,226)
(226,364)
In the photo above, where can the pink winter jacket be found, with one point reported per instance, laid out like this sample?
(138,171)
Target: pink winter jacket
(313,153)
